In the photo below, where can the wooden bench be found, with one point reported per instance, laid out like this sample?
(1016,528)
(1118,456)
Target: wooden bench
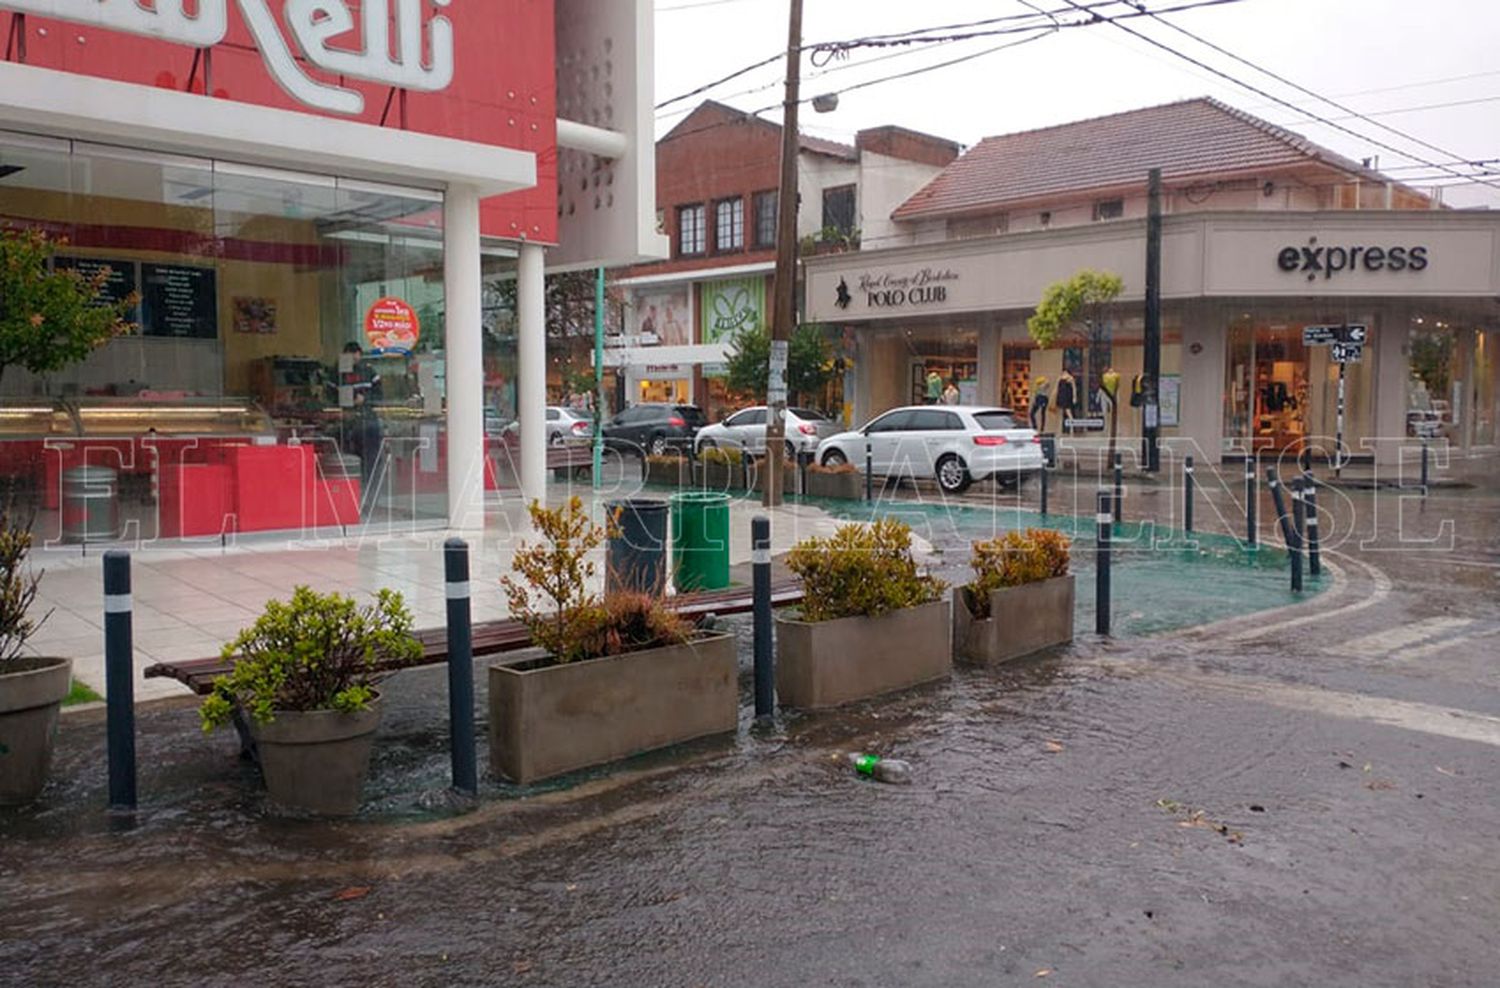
(493,637)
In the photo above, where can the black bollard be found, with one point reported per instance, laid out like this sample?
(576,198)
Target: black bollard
(119,680)
(460,667)
(1119,503)
(804,459)
(760,564)
(1250,495)
(869,471)
(1294,546)
(1424,467)
(1282,518)
(1187,495)
(1310,504)
(1101,585)
(1044,489)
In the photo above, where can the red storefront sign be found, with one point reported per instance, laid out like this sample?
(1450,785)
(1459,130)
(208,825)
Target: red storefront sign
(473,70)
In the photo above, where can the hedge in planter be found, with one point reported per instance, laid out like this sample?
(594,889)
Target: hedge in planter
(871,621)
(31,688)
(305,679)
(723,469)
(1020,601)
(613,675)
(841,481)
(671,471)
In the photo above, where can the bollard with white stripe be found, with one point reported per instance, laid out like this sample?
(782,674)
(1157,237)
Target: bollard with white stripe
(1187,494)
(1282,518)
(1294,545)
(1101,578)
(1250,495)
(119,681)
(460,666)
(1310,502)
(1045,485)
(760,567)
(869,471)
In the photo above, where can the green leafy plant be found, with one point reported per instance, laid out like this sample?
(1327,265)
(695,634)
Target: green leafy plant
(1086,297)
(18,590)
(730,455)
(1014,559)
(51,317)
(809,362)
(861,570)
(314,652)
(574,623)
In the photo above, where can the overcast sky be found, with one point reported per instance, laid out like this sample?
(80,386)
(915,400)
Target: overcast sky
(1372,56)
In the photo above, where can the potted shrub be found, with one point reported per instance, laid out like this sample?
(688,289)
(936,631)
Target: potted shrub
(722,469)
(31,688)
(305,681)
(1021,598)
(842,481)
(672,471)
(612,675)
(870,622)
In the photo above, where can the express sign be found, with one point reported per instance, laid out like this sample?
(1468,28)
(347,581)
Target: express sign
(312,25)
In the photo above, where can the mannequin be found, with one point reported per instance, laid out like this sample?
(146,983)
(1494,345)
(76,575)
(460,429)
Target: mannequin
(1039,399)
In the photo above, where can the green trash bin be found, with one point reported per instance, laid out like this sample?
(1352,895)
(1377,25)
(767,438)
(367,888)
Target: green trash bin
(700,541)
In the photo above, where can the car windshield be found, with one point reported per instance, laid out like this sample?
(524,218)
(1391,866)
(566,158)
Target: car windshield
(995,420)
(808,414)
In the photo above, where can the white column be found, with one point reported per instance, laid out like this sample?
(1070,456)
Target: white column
(990,386)
(531,392)
(464,358)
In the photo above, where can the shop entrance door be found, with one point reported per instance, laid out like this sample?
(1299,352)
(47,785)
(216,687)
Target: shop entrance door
(1266,397)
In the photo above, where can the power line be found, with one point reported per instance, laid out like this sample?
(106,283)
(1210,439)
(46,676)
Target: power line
(1354,114)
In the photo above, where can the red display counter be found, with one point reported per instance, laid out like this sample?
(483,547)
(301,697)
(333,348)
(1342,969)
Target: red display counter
(248,488)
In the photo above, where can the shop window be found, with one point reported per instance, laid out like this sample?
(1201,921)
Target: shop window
(1109,209)
(691,232)
(729,225)
(766,205)
(838,209)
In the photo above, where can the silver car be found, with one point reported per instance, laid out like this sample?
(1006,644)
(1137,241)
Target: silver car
(953,444)
(746,429)
(567,425)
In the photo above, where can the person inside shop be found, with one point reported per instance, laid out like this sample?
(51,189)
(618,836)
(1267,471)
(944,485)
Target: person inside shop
(934,387)
(1067,397)
(360,430)
(950,393)
(1039,399)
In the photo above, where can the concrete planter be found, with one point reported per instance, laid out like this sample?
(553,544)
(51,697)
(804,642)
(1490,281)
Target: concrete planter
(546,720)
(825,663)
(316,761)
(29,702)
(849,486)
(675,472)
(713,476)
(788,478)
(1024,619)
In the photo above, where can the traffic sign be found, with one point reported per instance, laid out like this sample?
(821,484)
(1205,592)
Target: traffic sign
(1346,353)
(1326,335)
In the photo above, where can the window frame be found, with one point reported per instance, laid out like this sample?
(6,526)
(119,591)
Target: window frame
(852,191)
(702,230)
(773,197)
(1100,206)
(737,224)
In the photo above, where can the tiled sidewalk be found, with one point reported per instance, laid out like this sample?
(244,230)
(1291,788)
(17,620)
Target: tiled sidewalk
(188,601)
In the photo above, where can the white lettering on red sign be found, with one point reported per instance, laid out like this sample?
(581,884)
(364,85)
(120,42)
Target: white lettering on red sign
(313,24)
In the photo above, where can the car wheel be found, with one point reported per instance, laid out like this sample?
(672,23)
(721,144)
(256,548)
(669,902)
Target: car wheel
(658,445)
(952,475)
(834,458)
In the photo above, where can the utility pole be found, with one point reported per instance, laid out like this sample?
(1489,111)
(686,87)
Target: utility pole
(784,312)
(1152,373)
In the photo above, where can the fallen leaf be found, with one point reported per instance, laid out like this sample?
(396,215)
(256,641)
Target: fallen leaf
(571,887)
(1445,771)
(1054,746)
(1380,784)
(353,892)
(521,967)
(1043,972)
(1367,766)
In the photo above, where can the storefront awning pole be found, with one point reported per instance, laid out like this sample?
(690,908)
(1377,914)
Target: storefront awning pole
(464,358)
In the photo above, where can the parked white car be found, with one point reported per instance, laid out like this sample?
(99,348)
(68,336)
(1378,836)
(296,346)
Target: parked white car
(565,425)
(953,444)
(746,429)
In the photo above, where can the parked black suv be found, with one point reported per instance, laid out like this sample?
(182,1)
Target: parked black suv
(653,427)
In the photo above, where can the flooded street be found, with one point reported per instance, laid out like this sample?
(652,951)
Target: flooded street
(1291,796)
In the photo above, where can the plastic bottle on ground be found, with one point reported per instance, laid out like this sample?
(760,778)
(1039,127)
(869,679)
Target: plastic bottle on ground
(891,771)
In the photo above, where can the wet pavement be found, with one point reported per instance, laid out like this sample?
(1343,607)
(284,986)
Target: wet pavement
(1304,795)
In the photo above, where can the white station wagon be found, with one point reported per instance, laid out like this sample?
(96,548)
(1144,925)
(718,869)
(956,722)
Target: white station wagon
(953,444)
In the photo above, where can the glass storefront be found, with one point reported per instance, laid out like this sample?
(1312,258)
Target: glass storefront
(284,369)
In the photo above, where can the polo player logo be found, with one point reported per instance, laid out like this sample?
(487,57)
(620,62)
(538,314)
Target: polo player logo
(844,298)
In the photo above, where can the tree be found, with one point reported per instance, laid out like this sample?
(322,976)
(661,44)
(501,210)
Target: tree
(809,363)
(51,318)
(568,307)
(1083,307)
